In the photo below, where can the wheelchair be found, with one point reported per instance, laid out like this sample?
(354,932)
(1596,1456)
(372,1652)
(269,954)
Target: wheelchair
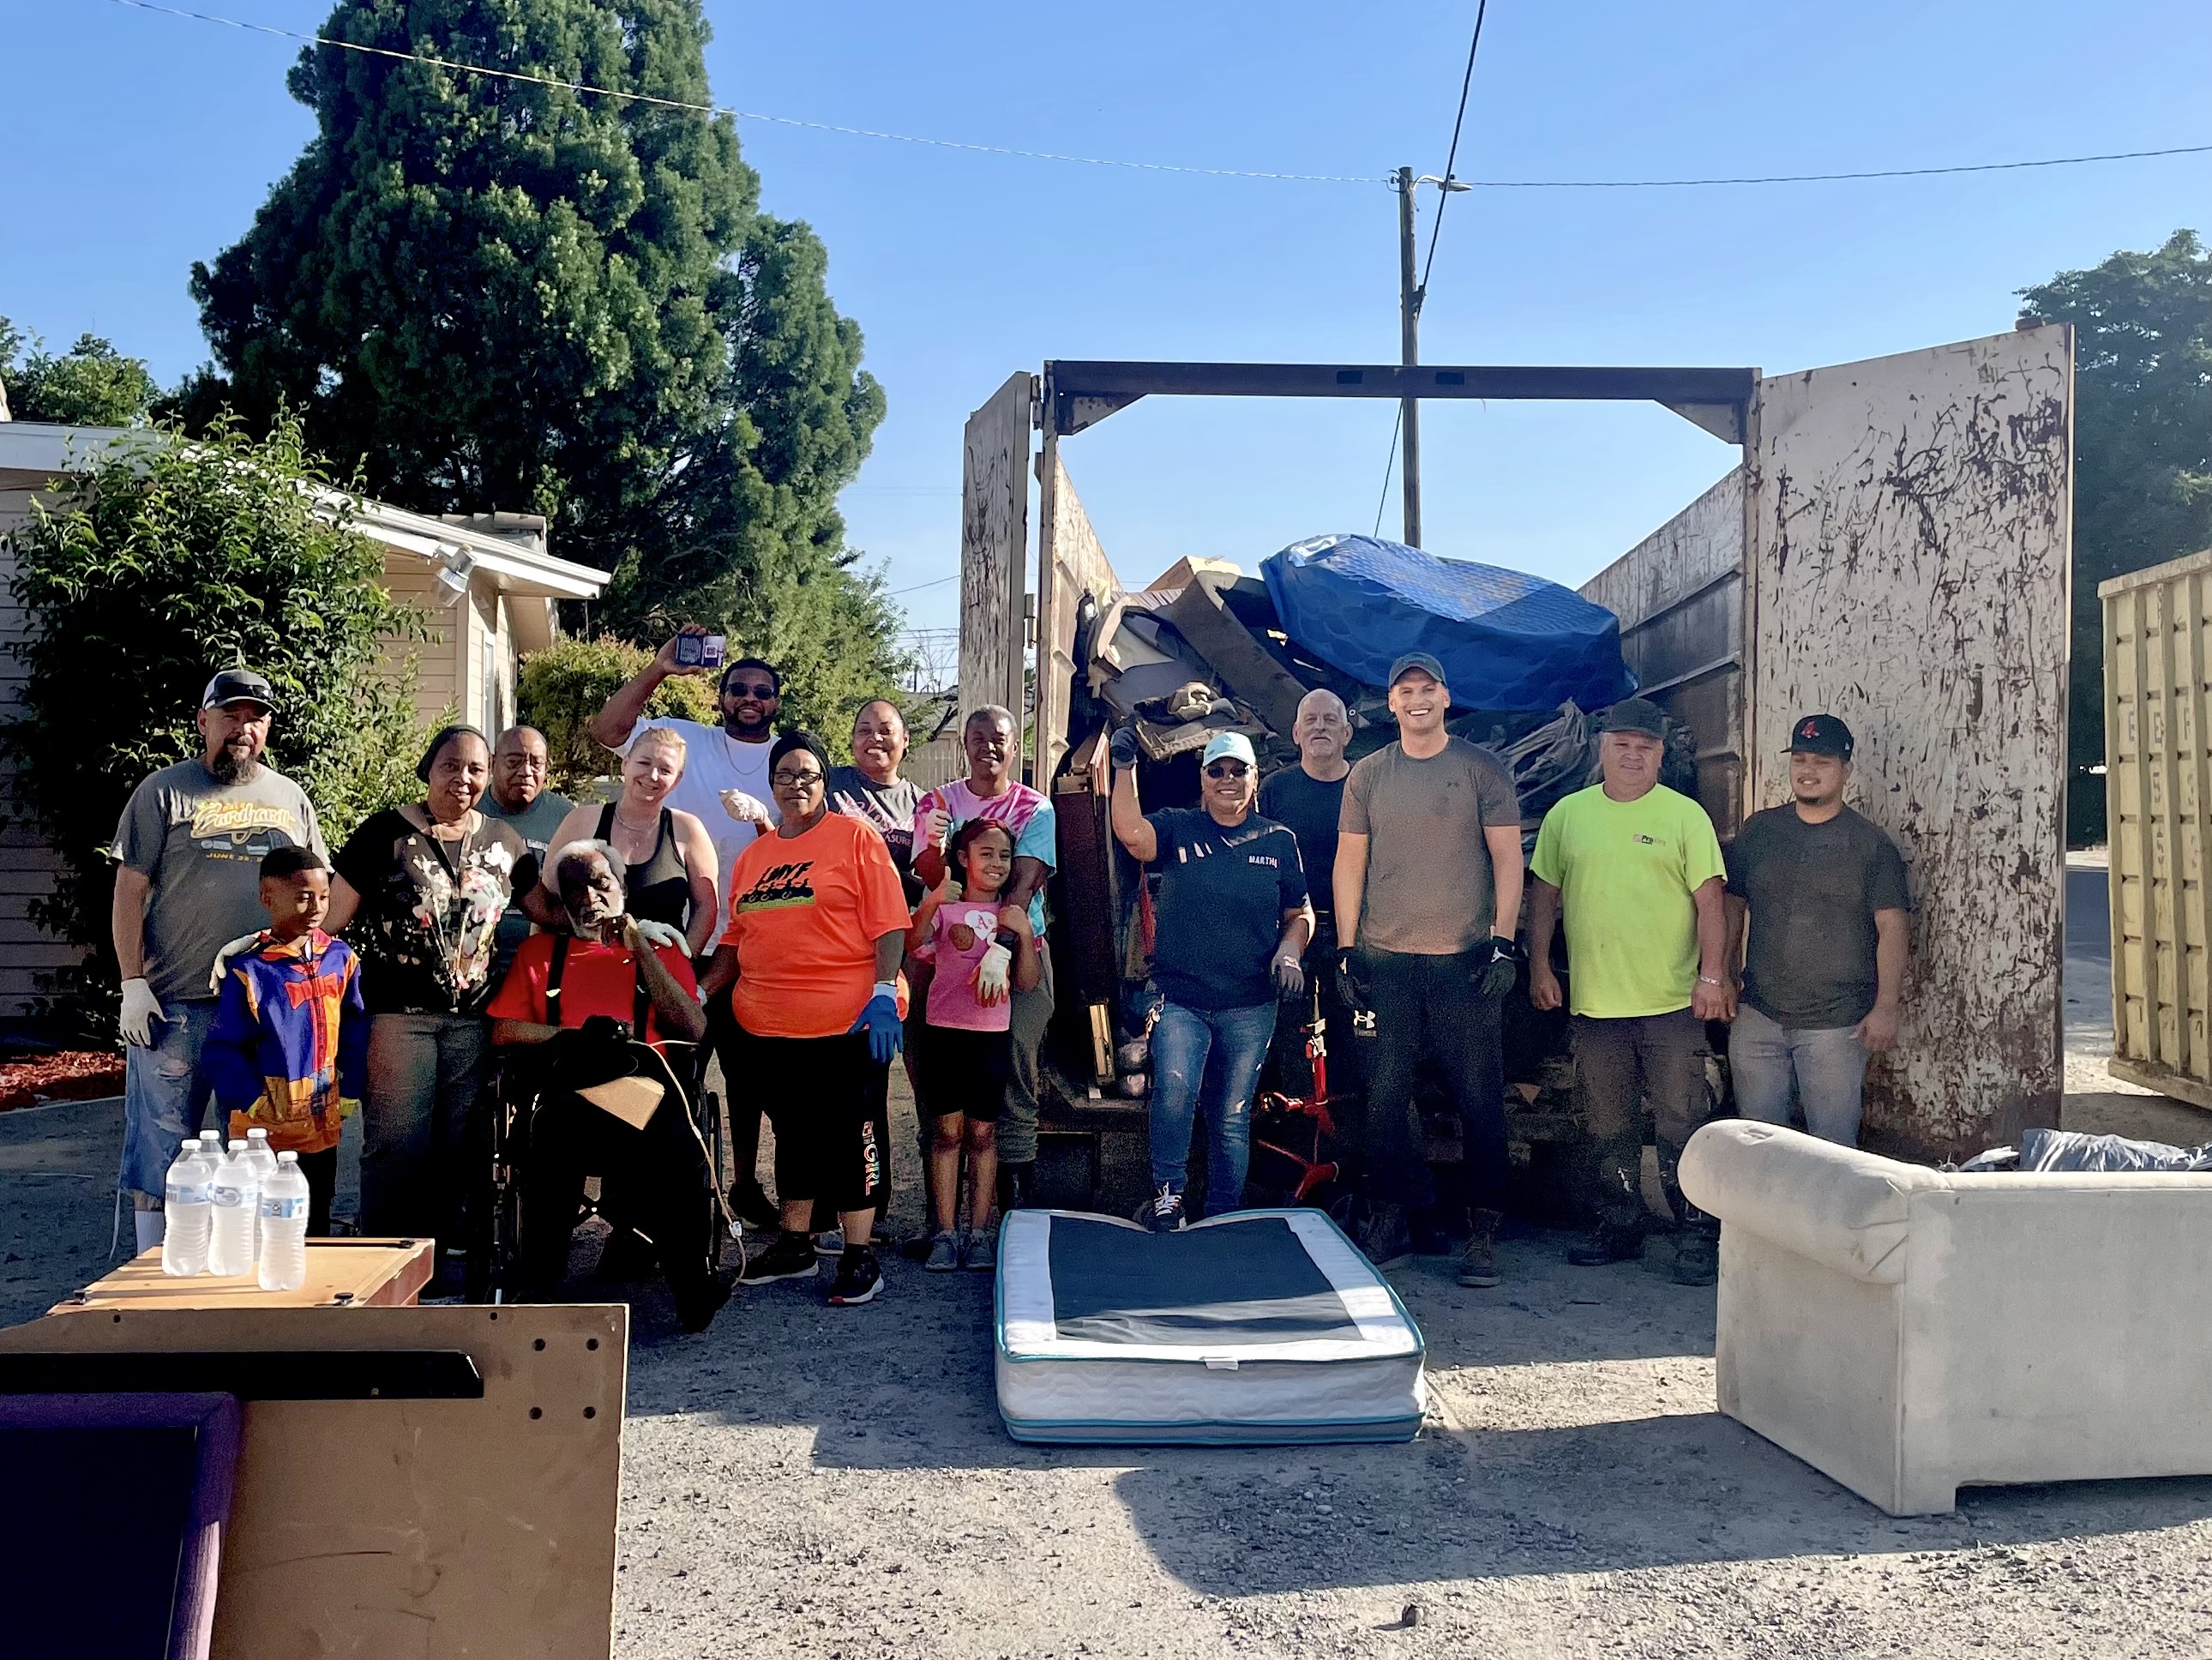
(523,1083)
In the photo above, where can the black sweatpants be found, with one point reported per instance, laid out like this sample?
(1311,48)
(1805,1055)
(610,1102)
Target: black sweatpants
(655,1182)
(1432,1007)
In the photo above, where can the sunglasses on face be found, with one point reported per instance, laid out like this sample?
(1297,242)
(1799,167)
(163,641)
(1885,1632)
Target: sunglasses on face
(1227,769)
(749,689)
(793,781)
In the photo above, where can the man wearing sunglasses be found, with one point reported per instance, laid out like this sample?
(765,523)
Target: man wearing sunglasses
(1428,900)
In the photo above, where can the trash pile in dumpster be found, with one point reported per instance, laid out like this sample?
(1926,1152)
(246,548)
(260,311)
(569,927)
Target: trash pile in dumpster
(1205,648)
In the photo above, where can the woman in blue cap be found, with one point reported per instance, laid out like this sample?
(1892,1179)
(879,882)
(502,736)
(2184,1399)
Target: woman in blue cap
(1233,923)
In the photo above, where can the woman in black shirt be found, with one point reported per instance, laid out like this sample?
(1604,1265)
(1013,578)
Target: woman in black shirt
(419,890)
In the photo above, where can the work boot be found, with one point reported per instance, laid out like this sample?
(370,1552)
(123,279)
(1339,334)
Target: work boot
(1609,1242)
(1384,1239)
(1697,1257)
(1478,1263)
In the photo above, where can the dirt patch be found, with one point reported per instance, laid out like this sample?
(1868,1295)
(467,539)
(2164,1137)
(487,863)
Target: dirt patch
(68,1075)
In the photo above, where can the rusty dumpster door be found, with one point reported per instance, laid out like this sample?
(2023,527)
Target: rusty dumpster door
(1908,524)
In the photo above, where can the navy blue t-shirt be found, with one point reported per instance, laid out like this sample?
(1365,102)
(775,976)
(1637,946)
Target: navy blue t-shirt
(1223,893)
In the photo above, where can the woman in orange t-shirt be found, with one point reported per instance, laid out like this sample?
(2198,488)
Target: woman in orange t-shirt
(810,965)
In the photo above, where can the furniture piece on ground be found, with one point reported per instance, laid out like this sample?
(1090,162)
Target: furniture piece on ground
(427,1483)
(1262,1326)
(1908,1331)
(361,1273)
(111,1538)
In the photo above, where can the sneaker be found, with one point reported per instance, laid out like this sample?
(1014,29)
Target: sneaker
(695,1310)
(860,1277)
(791,1258)
(944,1254)
(1609,1242)
(982,1254)
(1384,1240)
(829,1242)
(1165,1214)
(1697,1258)
(1478,1263)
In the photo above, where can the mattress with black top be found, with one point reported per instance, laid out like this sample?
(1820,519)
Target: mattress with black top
(1259,1326)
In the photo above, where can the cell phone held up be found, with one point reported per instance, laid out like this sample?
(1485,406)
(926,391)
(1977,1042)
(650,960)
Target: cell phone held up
(700,651)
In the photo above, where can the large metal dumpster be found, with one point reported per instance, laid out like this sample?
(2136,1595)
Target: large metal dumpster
(2158,782)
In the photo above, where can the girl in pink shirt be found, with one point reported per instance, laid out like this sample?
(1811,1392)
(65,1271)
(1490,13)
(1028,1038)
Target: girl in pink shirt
(966,1053)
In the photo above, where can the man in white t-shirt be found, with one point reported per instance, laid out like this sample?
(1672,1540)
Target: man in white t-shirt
(725,782)
(730,759)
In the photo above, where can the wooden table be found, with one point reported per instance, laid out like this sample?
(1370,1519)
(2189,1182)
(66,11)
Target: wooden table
(347,1272)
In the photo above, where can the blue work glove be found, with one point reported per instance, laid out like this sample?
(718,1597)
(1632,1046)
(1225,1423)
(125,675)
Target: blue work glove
(1122,746)
(880,1020)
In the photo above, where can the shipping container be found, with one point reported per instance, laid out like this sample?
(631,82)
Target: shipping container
(1893,548)
(2158,779)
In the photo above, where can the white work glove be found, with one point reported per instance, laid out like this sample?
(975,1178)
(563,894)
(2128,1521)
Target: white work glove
(222,960)
(993,977)
(747,809)
(935,825)
(659,934)
(140,1010)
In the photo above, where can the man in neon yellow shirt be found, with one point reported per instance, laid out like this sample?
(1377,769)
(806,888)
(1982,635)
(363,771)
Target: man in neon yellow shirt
(1639,872)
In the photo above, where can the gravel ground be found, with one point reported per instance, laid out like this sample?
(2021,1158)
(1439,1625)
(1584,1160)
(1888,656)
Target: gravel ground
(835,1484)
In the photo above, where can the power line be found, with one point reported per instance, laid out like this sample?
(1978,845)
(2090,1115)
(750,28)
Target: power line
(918,586)
(559,85)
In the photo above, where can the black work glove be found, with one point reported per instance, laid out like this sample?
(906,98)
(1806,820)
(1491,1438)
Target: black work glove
(604,1029)
(1502,967)
(1122,746)
(1349,985)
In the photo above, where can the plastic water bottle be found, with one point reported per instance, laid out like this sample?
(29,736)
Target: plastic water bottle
(264,1161)
(235,1195)
(284,1227)
(184,1200)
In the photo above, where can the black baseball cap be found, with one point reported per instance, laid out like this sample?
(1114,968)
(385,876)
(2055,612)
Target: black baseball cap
(1821,734)
(1421,660)
(1635,715)
(237,686)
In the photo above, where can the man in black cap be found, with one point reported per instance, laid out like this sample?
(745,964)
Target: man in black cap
(1825,891)
(1638,871)
(1428,899)
(188,854)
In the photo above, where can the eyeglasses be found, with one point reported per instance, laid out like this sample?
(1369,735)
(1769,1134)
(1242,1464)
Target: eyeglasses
(1227,769)
(749,689)
(792,780)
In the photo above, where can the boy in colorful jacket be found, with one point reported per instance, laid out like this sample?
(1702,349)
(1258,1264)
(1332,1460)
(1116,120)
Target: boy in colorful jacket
(288,1050)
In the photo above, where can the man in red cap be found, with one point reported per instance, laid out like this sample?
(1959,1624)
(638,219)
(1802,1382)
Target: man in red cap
(1824,890)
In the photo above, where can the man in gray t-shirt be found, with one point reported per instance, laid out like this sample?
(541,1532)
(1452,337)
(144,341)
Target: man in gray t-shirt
(1428,899)
(519,796)
(188,853)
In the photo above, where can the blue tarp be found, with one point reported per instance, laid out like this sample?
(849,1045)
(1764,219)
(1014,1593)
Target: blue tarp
(1507,640)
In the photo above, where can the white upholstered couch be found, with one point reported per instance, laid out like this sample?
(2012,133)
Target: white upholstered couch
(1909,1332)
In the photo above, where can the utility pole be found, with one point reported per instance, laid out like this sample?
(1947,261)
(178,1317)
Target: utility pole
(1409,353)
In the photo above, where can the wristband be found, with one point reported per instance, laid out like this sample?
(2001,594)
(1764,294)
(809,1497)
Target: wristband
(1708,980)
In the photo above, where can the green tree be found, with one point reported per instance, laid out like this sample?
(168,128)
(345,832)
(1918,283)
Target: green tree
(496,293)
(563,686)
(90,385)
(2142,449)
(162,562)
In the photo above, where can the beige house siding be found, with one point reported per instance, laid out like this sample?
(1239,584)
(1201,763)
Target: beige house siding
(27,866)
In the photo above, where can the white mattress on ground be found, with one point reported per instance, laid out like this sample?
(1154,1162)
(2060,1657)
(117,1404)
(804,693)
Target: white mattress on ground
(1259,1326)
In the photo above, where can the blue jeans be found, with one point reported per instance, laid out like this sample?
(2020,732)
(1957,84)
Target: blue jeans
(1210,1059)
(421,1134)
(1825,1064)
(165,1096)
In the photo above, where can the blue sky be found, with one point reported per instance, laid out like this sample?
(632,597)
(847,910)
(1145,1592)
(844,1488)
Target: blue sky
(138,142)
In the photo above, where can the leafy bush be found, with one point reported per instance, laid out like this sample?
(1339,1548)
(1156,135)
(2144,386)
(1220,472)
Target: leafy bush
(163,561)
(563,686)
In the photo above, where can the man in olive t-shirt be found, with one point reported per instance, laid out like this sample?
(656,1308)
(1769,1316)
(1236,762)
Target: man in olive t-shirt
(1638,870)
(1825,891)
(1428,898)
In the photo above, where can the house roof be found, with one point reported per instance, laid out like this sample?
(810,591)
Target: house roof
(33,454)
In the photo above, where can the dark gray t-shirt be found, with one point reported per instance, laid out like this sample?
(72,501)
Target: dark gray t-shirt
(1813,890)
(1428,888)
(537,824)
(201,842)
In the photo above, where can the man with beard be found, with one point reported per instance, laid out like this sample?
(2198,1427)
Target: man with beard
(188,853)
(725,784)
(1309,799)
